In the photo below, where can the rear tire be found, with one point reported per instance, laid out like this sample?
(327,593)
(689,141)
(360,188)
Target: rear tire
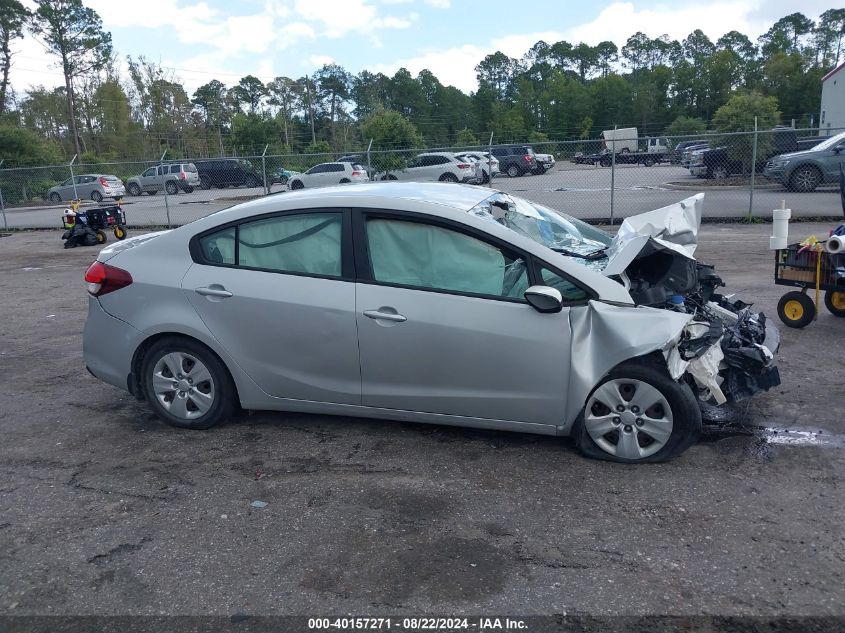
(54,197)
(834,301)
(659,418)
(514,171)
(96,196)
(171,188)
(202,397)
(120,232)
(101,237)
(448,177)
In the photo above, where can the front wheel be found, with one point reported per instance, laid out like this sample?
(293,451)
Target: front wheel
(638,414)
(296,184)
(120,232)
(796,309)
(186,384)
(133,189)
(720,172)
(101,237)
(805,179)
(54,197)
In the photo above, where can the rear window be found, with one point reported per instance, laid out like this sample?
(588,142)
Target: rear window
(357,167)
(190,167)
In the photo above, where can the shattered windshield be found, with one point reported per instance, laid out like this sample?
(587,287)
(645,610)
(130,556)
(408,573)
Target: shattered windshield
(560,233)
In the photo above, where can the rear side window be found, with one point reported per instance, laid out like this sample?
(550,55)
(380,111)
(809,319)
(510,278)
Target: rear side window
(309,243)
(336,167)
(219,248)
(190,167)
(174,169)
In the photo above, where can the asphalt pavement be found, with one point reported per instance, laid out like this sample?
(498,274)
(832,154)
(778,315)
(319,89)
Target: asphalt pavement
(582,191)
(104,510)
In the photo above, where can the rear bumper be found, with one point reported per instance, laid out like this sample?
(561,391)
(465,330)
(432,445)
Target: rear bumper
(108,345)
(698,170)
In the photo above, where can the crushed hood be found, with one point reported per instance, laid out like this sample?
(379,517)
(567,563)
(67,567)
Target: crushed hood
(673,228)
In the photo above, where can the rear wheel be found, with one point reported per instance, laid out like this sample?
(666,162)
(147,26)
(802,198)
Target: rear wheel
(186,384)
(805,179)
(101,237)
(120,232)
(796,309)
(448,177)
(638,414)
(514,171)
(834,301)
(171,188)
(649,161)
(133,189)
(96,196)
(54,197)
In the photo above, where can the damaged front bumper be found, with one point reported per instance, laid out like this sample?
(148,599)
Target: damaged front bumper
(728,358)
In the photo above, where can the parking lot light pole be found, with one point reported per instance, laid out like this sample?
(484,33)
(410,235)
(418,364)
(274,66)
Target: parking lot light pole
(72,179)
(164,186)
(264,169)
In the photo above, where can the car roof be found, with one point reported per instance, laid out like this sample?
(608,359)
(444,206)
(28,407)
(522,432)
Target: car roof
(447,154)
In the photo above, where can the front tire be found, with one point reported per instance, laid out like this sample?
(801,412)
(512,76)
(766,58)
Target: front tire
(796,309)
(834,301)
(296,184)
(719,172)
(186,385)
(805,179)
(638,414)
(134,190)
(54,197)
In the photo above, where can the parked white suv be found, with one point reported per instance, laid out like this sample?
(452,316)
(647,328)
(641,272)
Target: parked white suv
(442,166)
(483,164)
(326,174)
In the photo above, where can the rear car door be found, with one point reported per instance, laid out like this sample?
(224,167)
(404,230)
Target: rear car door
(443,326)
(278,293)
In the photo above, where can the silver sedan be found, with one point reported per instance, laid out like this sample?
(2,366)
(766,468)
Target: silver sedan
(423,302)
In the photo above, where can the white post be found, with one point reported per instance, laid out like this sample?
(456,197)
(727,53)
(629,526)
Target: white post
(613,173)
(370,172)
(2,205)
(164,186)
(72,179)
(753,172)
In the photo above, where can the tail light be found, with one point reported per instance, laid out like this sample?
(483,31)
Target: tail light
(463,166)
(103,279)
(527,158)
(182,175)
(356,173)
(104,182)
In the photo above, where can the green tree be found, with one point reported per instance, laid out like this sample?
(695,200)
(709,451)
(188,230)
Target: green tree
(73,33)
(737,115)
(23,148)
(466,138)
(13,17)
(686,126)
(249,91)
(389,131)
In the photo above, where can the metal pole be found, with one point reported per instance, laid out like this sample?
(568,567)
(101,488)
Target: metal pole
(264,169)
(613,174)
(72,179)
(369,161)
(164,186)
(490,161)
(753,172)
(2,205)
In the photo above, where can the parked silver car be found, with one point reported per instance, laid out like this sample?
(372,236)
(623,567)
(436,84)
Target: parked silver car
(88,186)
(433,302)
(172,177)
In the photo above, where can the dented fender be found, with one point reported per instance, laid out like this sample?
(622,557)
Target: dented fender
(605,335)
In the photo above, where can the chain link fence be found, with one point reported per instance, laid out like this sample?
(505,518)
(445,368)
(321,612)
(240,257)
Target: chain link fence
(744,174)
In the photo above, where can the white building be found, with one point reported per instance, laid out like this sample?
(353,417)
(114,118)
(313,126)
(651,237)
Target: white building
(832,119)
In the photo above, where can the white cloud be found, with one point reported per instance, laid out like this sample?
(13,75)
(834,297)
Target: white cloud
(339,17)
(439,4)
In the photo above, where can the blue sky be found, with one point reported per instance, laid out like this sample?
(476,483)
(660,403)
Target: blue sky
(219,39)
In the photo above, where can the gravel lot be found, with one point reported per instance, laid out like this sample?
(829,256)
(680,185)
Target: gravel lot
(104,510)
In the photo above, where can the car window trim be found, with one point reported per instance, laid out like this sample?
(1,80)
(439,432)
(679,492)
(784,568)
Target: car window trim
(363,265)
(347,263)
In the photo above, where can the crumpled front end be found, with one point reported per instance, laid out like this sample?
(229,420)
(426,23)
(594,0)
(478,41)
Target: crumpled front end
(726,350)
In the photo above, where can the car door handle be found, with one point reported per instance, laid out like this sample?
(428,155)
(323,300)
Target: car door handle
(214,291)
(385,316)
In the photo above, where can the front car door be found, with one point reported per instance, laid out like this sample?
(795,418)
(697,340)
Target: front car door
(148,180)
(278,293)
(443,326)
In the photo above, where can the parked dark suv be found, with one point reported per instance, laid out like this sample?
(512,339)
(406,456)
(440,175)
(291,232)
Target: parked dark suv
(515,160)
(227,172)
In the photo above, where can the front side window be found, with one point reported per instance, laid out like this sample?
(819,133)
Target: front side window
(308,243)
(316,169)
(433,257)
(150,172)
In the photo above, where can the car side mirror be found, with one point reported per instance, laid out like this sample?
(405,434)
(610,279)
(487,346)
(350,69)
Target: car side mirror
(544,299)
